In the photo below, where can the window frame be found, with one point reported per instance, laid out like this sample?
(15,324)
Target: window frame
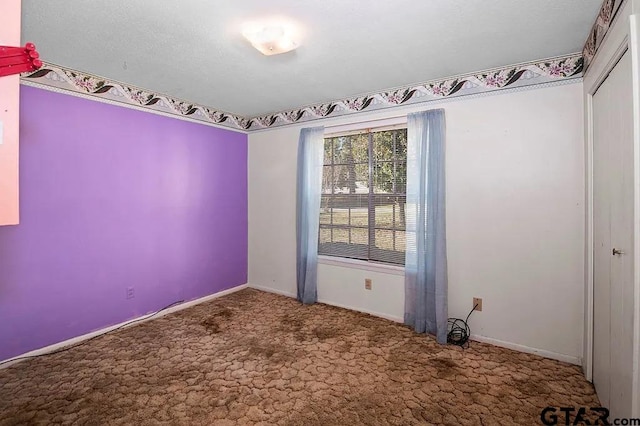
(393,124)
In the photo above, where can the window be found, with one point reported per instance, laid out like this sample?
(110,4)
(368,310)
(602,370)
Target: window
(362,213)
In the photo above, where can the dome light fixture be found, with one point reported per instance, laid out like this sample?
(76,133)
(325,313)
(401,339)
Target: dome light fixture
(273,36)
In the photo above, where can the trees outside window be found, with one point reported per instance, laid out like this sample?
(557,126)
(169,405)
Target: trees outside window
(363,196)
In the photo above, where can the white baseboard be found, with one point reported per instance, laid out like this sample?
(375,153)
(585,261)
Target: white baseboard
(147,317)
(328,302)
(141,319)
(364,311)
(135,321)
(516,347)
(526,349)
(273,290)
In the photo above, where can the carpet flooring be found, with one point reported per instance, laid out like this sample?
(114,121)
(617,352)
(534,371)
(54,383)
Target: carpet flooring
(257,358)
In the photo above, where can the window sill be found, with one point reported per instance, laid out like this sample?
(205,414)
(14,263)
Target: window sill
(361,264)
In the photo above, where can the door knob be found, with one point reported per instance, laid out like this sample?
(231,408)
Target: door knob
(615,252)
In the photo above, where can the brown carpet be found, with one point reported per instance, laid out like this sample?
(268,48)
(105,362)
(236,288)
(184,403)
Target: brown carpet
(253,357)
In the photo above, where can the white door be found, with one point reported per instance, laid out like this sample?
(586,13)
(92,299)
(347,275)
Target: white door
(602,244)
(613,239)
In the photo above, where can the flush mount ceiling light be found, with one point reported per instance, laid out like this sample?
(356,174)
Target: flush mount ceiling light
(272,36)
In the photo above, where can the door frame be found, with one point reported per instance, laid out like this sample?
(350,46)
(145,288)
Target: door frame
(623,36)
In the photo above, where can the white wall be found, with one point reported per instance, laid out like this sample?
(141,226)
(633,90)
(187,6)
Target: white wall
(515,219)
(344,286)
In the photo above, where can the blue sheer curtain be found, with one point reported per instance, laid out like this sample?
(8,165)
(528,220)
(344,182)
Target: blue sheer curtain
(426,253)
(309,187)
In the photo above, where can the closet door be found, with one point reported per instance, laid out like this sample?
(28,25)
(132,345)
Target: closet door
(602,244)
(613,239)
(622,239)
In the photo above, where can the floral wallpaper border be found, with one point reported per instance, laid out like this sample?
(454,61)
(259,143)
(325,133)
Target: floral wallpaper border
(556,69)
(605,18)
(88,84)
(539,72)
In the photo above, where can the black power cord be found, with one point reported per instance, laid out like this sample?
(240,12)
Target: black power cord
(66,348)
(459,330)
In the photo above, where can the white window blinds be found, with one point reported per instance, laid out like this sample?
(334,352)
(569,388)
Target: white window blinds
(362,212)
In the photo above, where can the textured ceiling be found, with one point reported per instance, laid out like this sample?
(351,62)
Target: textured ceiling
(193,49)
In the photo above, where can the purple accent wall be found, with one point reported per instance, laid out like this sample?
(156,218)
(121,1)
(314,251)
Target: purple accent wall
(112,198)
